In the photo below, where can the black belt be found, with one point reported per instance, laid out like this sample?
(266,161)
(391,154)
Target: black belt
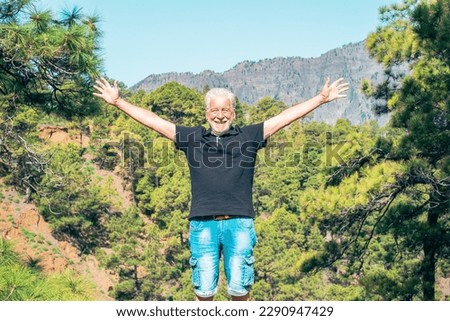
(214,217)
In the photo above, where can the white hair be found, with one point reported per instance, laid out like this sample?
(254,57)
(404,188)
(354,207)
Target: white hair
(220,92)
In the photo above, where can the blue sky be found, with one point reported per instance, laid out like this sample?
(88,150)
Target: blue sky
(143,37)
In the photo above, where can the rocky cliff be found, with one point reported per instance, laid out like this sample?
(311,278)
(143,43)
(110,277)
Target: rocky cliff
(292,80)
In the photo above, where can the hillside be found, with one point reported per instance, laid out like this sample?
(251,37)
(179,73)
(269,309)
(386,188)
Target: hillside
(292,80)
(33,238)
(21,223)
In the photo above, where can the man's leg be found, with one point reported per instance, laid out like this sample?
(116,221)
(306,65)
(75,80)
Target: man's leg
(239,239)
(241,298)
(204,246)
(199,298)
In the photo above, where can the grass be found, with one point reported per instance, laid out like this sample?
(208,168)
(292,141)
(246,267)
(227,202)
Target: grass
(30,236)
(41,238)
(52,120)
(56,250)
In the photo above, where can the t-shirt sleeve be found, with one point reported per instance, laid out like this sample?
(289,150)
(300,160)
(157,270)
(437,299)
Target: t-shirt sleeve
(183,136)
(255,133)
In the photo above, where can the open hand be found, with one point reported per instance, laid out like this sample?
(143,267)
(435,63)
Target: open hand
(333,91)
(108,93)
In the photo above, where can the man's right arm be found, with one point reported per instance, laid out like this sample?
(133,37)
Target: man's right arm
(110,94)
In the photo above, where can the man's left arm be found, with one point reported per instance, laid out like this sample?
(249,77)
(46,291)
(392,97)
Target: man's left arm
(327,94)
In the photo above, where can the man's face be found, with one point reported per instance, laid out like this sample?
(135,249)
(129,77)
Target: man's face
(220,115)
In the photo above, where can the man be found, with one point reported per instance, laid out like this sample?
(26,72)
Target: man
(221,163)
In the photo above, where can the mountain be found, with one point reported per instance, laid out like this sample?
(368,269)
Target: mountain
(292,80)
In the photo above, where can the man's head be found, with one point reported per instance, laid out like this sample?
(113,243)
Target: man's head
(220,113)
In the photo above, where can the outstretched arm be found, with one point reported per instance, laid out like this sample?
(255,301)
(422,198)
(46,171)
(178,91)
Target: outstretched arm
(110,94)
(327,94)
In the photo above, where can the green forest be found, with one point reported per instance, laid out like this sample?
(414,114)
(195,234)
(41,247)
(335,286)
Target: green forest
(344,212)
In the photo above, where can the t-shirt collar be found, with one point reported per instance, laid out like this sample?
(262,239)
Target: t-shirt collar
(231,132)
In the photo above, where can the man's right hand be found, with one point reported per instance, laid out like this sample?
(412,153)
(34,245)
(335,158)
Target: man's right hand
(108,93)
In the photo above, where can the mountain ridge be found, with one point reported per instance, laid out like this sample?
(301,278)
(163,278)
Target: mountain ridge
(292,80)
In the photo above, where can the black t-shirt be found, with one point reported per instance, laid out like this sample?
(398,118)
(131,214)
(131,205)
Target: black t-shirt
(221,168)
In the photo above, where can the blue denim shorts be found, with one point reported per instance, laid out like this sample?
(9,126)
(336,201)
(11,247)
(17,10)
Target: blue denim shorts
(235,239)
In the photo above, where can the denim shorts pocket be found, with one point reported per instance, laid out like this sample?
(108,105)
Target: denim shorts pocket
(246,222)
(249,272)
(248,225)
(195,272)
(196,225)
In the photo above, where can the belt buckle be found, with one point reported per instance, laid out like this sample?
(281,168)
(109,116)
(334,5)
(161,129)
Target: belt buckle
(221,217)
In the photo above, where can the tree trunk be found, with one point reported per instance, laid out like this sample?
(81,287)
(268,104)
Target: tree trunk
(430,246)
(137,283)
(428,268)
(28,195)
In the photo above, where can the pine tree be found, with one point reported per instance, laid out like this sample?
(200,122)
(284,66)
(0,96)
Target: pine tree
(127,237)
(47,67)
(18,282)
(416,34)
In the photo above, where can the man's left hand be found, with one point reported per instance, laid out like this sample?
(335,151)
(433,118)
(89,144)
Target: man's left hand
(333,91)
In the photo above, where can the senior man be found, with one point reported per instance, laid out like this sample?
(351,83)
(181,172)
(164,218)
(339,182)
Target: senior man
(221,162)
